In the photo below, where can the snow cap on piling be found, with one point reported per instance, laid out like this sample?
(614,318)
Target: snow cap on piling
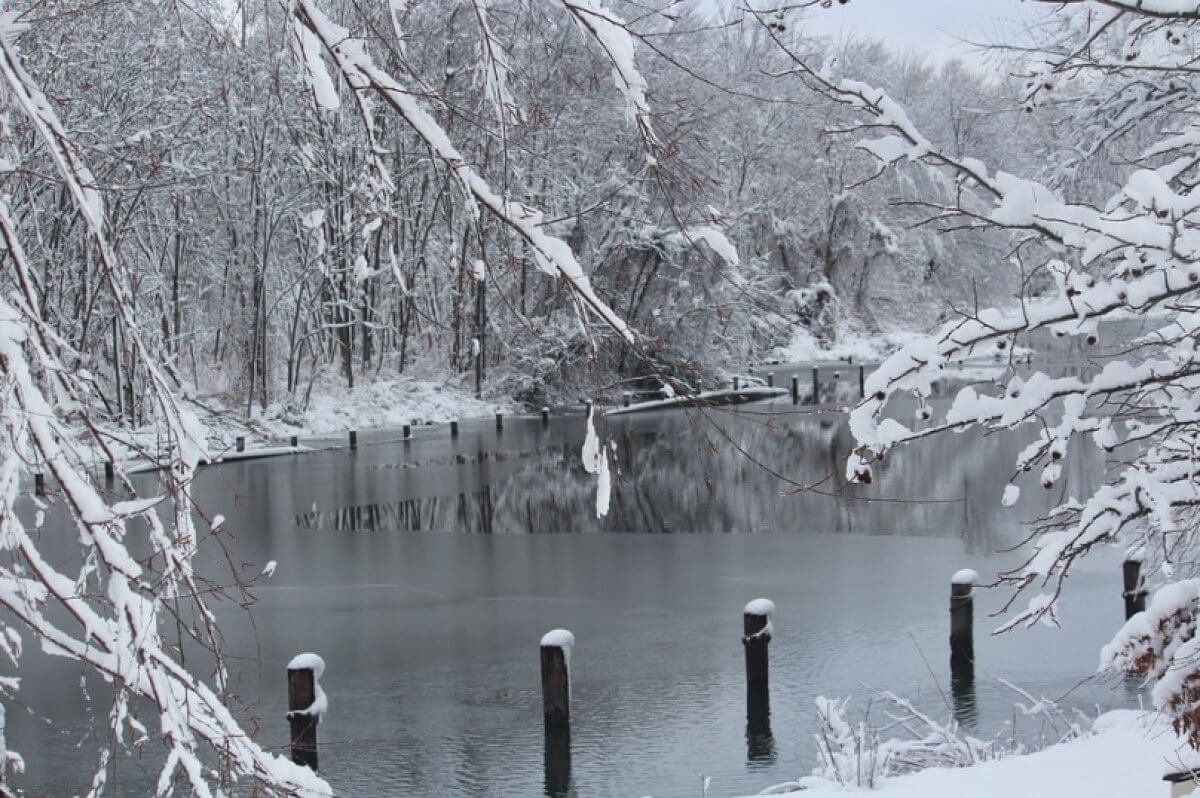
(307,662)
(966,576)
(558,638)
(760,606)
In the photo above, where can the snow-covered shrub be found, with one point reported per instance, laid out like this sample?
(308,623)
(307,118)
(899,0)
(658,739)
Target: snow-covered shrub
(902,739)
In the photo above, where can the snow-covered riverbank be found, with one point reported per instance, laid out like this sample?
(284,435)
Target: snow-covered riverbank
(1127,755)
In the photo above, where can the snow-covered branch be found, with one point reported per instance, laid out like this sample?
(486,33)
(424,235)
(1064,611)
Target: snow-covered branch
(365,80)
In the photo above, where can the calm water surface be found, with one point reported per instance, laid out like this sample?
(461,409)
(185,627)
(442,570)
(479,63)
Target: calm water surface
(427,589)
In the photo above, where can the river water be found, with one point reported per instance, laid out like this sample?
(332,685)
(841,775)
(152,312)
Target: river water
(426,589)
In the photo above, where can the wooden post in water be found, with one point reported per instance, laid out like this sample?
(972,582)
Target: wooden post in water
(737,383)
(862,382)
(555,652)
(770,379)
(816,385)
(1134,595)
(294,441)
(353,439)
(625,398)
(962,623)
(239,443)
(453,429)
(756,636)
(499,422)
(545,416)
(39,484)
(556,680)
(306,705)
(407,431)
(795,390)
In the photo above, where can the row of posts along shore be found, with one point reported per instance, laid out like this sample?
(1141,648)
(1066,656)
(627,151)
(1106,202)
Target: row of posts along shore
(406,434)
(554,656)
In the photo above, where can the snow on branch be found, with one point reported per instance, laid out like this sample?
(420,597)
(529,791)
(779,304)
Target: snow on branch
(552,255)
(108,612)
(1134,254)
(613,36)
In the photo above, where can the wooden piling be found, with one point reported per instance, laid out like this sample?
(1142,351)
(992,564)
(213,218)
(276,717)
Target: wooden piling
(453,429)
(795,390)
(294,441)
(556,681)
(862,382)
(816,386)
(770,379)
(304,709)
(499,422)
(555,654)
(737,383)
(625,398)
(39,484)
(353,439)
(756,636)
(239,443)
(962,622)
(545,416)
(1134,595)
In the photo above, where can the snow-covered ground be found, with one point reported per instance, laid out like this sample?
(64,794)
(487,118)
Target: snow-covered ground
(1127,756)
(332,411)
(862,348)
(382,403)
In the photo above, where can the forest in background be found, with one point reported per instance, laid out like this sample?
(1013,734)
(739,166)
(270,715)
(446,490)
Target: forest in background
(265,259)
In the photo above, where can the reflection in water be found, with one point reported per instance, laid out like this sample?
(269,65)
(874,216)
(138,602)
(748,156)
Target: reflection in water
(962,690)
(466,512)
(760,743)
(721,473)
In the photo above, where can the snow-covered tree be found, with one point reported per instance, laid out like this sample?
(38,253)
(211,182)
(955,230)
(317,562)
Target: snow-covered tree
(1111,226)
(109,609)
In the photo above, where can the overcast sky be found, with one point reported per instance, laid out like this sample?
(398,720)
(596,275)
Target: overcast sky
(930,25)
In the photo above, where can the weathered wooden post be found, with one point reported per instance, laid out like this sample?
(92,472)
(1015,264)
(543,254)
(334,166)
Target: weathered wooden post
(39,484)
(294,441)
(453,429)
(1134,595)
(306,706)
(816,385)
(862,382)
(499,422)
(756,636)
(795,390)
(556,680)
(625,398)
(962,622)
(353,439)
(556,709)
(239,443)
(545,416)
(770,379)
(737,383)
